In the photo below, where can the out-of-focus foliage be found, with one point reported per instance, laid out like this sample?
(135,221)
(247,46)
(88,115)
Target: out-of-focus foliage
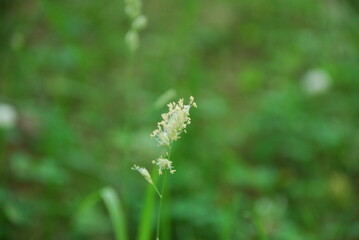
(273,150)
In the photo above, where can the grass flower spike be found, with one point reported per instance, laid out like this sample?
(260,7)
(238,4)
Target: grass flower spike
(173,123)
(162,164)
(146,175)
(143,172)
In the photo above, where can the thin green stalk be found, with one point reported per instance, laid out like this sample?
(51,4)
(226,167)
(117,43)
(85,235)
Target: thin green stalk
(159,194)
(160,205)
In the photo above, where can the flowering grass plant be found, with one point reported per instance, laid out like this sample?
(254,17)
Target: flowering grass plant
(173,123)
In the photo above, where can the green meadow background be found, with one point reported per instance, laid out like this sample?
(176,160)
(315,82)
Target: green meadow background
(269,153)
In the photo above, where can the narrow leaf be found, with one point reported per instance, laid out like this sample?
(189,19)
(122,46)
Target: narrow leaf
(114,209)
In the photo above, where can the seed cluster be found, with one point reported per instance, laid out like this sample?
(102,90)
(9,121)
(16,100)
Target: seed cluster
(173,123)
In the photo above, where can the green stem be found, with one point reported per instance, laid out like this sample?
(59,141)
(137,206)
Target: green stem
(161,195)
(158,192)
(160,207)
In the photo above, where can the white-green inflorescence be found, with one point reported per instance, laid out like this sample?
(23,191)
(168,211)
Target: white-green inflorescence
(173,123)
(143,172)
(162,164)
(147,176)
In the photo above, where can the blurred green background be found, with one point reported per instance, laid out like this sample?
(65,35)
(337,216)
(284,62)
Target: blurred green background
(273,148)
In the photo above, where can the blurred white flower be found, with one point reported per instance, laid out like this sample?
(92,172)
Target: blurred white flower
(174,122)
(8,116)
(316,81)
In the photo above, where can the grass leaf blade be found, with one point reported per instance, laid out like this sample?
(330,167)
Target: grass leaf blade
(114,209)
